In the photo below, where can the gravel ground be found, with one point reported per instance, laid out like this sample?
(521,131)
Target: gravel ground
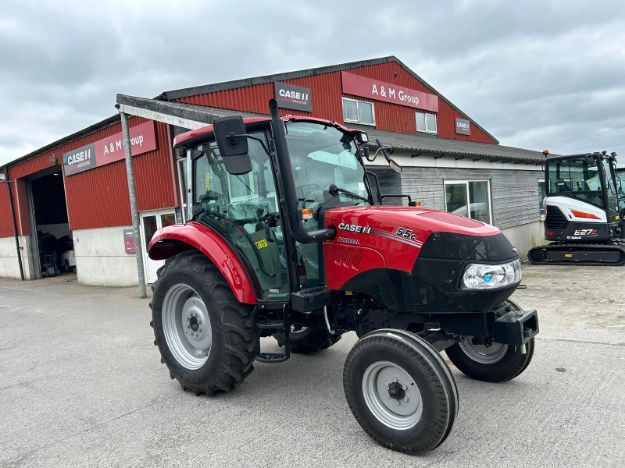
(82,384)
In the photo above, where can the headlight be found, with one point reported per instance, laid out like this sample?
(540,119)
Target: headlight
(481,276)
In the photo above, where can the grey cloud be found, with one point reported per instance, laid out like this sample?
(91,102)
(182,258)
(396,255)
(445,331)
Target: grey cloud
(537,74)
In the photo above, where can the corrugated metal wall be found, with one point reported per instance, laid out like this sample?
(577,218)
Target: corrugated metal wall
(6,226)
(326,101)
(21,203)
(99,197)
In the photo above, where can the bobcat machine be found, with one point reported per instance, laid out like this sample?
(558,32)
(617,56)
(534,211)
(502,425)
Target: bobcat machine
(585,206)
(288,238)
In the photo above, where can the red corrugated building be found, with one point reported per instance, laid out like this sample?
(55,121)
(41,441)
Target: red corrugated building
(71,197)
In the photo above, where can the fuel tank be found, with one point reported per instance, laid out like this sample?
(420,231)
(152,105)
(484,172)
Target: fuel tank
(412,259)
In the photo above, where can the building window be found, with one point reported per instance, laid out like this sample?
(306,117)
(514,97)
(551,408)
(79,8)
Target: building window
(358,111)
(541,196)
(426,123)
(470,198)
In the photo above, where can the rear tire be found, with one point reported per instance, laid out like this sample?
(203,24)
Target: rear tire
(205,337)
(400,391)
(308,340)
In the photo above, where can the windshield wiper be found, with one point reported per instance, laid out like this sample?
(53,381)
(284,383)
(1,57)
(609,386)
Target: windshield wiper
(334,191)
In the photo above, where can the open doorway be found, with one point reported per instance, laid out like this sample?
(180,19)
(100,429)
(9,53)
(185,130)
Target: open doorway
(53,248)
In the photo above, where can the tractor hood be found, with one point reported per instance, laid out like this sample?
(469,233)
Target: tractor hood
(389,219)
(412,259)
(399,234)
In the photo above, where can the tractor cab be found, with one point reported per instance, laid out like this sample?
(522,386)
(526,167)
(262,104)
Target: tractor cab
(242,203)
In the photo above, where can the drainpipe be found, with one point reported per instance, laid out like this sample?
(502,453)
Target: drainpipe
(17,240)
(134,212)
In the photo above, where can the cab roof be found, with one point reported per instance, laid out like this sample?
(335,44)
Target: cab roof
(204,133)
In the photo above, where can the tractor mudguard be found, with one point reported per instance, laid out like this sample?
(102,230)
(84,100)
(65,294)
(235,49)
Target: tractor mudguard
(175,239)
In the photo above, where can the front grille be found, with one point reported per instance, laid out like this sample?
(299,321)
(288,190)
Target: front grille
(555,219)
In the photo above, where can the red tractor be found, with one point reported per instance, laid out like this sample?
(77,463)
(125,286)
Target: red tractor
(289,238)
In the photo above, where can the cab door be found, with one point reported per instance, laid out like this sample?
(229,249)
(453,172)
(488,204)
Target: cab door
(244,210)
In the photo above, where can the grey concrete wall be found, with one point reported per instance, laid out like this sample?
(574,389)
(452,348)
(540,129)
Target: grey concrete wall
(101,258)
(9,265)
(525,237)
(514,193)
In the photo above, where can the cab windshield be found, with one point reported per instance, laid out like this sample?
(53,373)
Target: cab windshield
(323,157)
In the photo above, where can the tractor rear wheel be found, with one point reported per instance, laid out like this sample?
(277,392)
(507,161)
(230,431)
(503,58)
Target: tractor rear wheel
(400,391)
(308,340)
(205,337)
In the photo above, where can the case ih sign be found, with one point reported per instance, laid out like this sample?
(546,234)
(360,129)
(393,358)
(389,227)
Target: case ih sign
(110,149)
(290,96)
(463,127)
(382,91)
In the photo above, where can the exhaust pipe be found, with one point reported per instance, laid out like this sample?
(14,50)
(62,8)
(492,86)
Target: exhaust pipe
(285,177)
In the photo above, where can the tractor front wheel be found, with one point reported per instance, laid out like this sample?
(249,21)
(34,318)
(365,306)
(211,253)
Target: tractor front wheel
(493,363)
(400,391)
(205,337)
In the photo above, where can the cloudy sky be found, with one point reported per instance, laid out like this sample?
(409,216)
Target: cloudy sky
(546,74)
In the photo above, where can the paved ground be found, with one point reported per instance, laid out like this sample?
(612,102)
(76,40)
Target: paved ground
(81,384)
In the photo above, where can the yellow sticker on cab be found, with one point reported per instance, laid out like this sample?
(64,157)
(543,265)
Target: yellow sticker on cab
(261,244)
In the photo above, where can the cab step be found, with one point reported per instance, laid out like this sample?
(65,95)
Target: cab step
(281,325)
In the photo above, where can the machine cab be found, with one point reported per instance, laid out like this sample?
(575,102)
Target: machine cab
(588,178)
(243,206)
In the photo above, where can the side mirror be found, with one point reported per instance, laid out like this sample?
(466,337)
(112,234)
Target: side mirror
(232,143)
(394,165)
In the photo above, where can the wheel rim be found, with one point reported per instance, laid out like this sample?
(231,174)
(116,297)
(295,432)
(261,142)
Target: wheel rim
(392,395)
(186,326)
(481,353)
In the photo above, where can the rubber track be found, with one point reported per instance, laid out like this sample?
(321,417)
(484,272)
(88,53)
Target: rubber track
(581,247)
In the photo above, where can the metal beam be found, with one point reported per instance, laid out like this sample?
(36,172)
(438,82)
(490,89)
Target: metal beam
(160,117)
(133,204)
(173,113)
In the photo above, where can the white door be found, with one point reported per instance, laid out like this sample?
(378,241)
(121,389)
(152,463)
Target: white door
(150,223)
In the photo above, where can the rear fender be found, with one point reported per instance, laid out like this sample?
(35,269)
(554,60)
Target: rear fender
(172,240)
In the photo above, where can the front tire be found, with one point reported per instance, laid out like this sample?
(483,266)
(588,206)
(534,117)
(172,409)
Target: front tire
(400,391)
(494,363)
(205,337)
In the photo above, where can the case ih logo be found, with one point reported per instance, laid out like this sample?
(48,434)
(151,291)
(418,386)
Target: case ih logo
(463,127)
(110,149)
(355,228)
(289,96)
